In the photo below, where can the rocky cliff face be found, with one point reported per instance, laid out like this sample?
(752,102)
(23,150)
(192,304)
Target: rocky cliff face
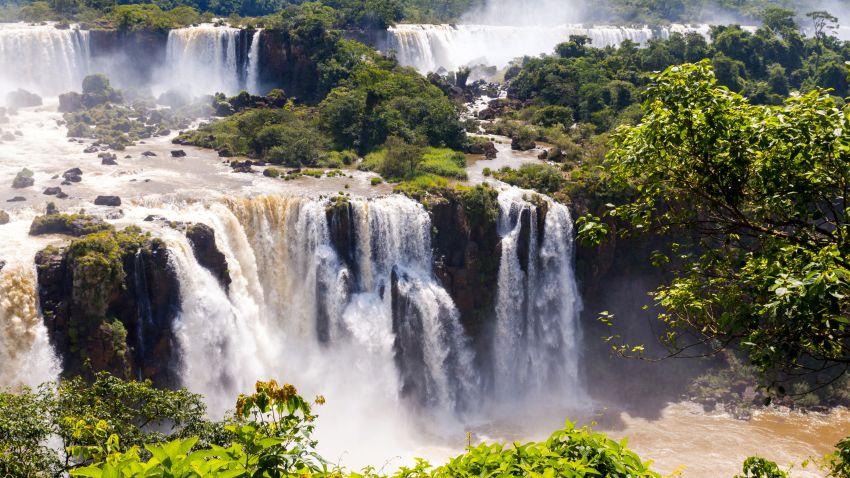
(467,254)
(109,300)
(134,54)
(112,316)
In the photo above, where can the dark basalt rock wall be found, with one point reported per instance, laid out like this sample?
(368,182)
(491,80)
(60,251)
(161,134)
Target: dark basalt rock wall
(467,253)
(133,56)
(287,66)
(133,339)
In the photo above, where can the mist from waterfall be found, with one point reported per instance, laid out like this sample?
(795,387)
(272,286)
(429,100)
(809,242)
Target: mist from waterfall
(432,47)
(42,58)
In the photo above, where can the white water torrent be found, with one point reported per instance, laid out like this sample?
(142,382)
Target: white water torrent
(431,47)
(253,82)
(203,59)
(26,357)
(42,58)
(537,312)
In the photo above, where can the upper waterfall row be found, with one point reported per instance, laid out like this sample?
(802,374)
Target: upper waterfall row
(49,60)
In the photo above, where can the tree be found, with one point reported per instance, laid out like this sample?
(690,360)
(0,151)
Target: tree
(763,190)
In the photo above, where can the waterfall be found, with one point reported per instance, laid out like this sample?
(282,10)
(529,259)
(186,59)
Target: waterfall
(304,301)
(42,59)
(537,332)
(431,47)
(26,357)
(253,83)
(204,59)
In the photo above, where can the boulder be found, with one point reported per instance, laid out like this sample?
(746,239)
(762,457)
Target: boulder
(73,175)
(148,154)
(17,199)
(178,153)
(22,98)
(242,167)
(543,154)
(4,217)
(23,179)
(91,149)
(487,114)
(52,191)
(109,161)
(107,201)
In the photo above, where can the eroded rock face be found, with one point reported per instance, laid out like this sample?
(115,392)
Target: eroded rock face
(467,256)
(202,239)
(117,319)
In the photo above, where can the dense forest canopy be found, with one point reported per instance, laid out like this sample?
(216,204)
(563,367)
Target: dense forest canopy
(380,13)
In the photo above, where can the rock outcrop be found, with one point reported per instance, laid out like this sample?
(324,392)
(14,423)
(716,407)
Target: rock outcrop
(202,239)
(109,301)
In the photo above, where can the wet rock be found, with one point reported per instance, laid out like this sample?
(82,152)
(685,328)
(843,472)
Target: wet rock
(522,144)
(4,217)
(486,148)
(51,208)
(2,264)
(23,179)
(17,199)
(224,153)
(486,114)
(155,218)
(109,161)
(52,191)
(543,154)
(73,175)
(107,201)
(178,153)
(91,149)
(61,195)
(242,167)
(202,239)
(148,154)
(21,98)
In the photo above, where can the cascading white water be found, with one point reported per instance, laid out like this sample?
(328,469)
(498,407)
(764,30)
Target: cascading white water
(537,333)
(368,325)
(290,285)
(431,47)
(253,82)
(42,58)
(26,357)
(203,59)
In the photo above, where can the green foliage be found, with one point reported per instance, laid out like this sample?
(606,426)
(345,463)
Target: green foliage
(755,467)
(539,177)
(838,463)
(71,224)
(375,104)
(762,189)
(443,162)
(91,421)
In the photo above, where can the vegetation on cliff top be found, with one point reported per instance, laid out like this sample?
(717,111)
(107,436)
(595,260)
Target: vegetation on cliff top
(762,188)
